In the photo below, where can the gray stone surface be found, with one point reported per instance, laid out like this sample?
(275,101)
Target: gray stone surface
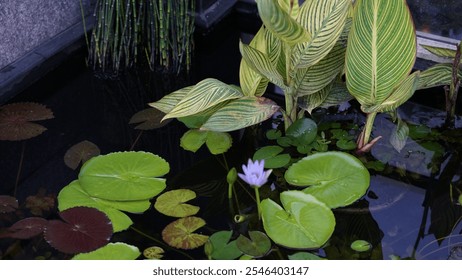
(26,24)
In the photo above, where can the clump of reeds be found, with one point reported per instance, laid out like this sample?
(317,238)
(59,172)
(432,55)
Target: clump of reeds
(127,31)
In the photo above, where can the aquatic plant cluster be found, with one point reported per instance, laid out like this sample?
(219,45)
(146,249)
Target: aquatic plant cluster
(321,54)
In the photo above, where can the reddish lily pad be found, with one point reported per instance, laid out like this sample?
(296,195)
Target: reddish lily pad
(25,228)
(84,229)
(148,119)
(8,204)
(16,120)
(40,203)
(172,203)
(180,233)
(80,153)
(153,253)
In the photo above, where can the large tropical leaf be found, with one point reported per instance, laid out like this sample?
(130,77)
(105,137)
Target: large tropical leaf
(290,6)
(253,83)
(402,93)
(312,101)
(261,63)
(441,52)
(240,113)
(168,102)
(325,21)
(280,23)
(337,95)
(437,75)
(381,49)
(204,95)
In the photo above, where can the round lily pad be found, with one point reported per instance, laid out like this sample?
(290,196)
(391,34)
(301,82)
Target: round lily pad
(25,228)
(258,245)
(16,120)
(303,223)
(172,203)
(361,246)
(304,256)
(84,229)
(302,131)
(148,119)
(8,204)
(335,178)
(272,156)
(80,152)
(180,233)
(124,176)
(219,246)
(112,251)
(153,253)
(73,195)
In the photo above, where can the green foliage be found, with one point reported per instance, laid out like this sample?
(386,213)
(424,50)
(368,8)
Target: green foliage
(112,251)
(256,245)
(304,256)
(219,246)
(217,142)
(272,156)
(361,246)
(172,203)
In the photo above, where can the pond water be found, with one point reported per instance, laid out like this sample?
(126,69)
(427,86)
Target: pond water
(410,210)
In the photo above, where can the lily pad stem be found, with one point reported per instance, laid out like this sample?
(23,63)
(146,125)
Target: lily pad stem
(257,198)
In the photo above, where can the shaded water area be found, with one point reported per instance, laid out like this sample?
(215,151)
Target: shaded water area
(409,211)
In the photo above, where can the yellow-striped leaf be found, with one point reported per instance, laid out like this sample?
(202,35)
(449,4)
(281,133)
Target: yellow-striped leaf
(400,95)
(325,21)
(312,101)
(261,63)
(252,83)
(290,6)
(166,103)
(240,113)
(381,49)
(441,52)
(280,23)
(437,75)
(203,96)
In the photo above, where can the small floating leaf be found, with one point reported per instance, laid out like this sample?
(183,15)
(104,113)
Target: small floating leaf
(16,120)
(84,229)
(8,204)
(304,256)
(218,142)
(112,251)
(124,176)
(80,152)
(219,246)
(302,131)
(172,203)
(361,246)
(148,119)
(153,253)
(272,156)
(25,228)
(180,233)
(335,178)
(257,246)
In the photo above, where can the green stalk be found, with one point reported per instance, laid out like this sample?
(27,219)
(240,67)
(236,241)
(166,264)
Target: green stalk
(257,198)
(368,128)
(451,94)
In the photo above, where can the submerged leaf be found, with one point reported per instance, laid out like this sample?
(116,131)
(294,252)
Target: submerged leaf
(25,228)
(172,203)
(112,251)
(80,152)
(8,204)
(16,120)
(84,229)
(148,119)
(180,233)
(124,176)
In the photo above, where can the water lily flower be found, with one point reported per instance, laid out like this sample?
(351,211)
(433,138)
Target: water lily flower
(254,173)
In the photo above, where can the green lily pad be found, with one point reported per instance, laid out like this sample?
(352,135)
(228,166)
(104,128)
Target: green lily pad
(153,253)
(219,247)
(193,139)
(258,245)
(124,176)
(272,156)
(335,178)
(218,142)
(345,144)
(180,233)
(361,246)
(303,223)
(172,203)
(73,195)
(112,251)
(273,134)
(304,256)
(303,131)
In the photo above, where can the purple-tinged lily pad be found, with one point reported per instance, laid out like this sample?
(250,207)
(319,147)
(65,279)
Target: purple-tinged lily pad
(256,246)
(16,120)
(180,233)
(84,229)
(8,204)
(25,228)
(148,119)
(80,152)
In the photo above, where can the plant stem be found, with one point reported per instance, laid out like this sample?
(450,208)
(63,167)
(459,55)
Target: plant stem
(368,129)
(257,198)
(21,160)
(136,140)
(451,93)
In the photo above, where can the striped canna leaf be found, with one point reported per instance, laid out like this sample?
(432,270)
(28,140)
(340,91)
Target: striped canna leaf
(441,52)
(325,20)
(313,101)
(381,49)
(252,83)
(206,94)
(290,6)
(261,63)
(437,75)
(168,102)
(400,95)
(241,113)
(280,23)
